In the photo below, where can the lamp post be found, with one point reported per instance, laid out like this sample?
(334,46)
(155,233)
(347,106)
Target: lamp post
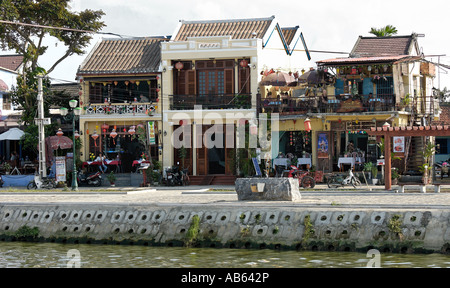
(76,111)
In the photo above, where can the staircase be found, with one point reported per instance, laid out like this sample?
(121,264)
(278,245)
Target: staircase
(416,157)
(213,180)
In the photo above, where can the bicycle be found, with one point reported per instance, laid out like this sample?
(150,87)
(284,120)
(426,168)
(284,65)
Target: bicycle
(336,181)
(304,180)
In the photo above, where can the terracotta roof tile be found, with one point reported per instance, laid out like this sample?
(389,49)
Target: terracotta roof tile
(124,56)
(237,29)
(289,33)
(382,46)
(11,62)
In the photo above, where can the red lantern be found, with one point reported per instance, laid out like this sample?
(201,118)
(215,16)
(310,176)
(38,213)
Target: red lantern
(59,133)
(243,63)
(95,136)
(76,134)
(307,125)
(113,135)
(105,126)
(179,66)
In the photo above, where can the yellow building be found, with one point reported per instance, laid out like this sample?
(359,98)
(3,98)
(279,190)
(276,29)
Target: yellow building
(121,97)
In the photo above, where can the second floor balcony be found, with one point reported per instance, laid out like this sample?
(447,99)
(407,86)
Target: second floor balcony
(134,108)
(345,103)
(210,101)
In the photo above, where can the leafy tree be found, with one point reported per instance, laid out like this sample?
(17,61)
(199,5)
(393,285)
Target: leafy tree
(385,31)
(22,30)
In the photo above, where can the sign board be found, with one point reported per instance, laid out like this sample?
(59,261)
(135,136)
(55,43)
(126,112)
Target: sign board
(256,165)
(399,144)
(61,169)
(151,132)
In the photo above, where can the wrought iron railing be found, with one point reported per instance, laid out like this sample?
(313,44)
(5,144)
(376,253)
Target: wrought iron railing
(121,108)
(211,101)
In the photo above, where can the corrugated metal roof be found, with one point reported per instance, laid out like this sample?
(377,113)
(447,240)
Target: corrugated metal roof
(237,29)
(124,56)
(336,61)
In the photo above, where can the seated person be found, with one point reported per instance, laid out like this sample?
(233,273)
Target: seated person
(102,167)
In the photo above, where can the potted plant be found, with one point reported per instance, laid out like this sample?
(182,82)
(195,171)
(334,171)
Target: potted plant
(111,178)
(7,167)
(374,174)
(394,176)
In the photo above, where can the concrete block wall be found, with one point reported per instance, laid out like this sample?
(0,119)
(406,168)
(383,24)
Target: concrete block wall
(333,229)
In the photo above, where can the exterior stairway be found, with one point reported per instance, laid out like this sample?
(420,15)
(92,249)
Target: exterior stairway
(213,180)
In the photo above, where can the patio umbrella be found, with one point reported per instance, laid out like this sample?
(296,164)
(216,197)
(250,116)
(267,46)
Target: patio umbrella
(55,142)
(311,77)
(12,134)
(278,79)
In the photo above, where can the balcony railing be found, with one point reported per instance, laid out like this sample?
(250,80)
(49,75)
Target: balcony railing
(343,104)
(211,101)
(121,108)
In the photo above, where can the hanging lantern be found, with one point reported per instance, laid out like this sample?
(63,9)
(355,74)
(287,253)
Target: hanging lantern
(105,126)
(95,136)
(179,65)
(243,63)
(307,125)
(76,134)
(59,133)
(113,134)
(87,131)
(131,131)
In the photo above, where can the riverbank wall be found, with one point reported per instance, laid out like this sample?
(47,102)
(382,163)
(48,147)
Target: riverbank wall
(229,226)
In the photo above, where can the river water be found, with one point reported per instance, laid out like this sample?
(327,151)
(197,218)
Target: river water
(52,255)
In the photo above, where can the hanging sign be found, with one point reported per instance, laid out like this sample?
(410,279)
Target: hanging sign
(322,149)
(151,132)
(399,143)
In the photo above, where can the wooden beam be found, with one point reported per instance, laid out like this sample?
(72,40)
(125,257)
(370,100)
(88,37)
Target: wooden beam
(387,163)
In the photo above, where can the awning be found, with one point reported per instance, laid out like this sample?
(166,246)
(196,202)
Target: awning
(12,134)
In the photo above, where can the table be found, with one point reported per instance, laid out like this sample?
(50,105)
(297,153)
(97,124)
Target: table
(98,163)
(346,160)
(304,161)
(280,162)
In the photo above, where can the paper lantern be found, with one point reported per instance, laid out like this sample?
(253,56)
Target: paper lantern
(307,125)
(179,66)
(95,135)
(76,134)
(131,131)
(59,133)
(113,133)
(243,63)
(105,126)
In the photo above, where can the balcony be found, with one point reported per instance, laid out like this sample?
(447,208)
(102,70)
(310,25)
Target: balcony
(342,104)
(121,108)
(211,101)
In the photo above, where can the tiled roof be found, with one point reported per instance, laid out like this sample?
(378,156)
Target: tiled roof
(289,33)
(11,62)
(124,56)
(444,117)
(382,46)
(237,29)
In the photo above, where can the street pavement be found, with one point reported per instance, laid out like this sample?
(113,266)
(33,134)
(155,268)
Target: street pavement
(367,197)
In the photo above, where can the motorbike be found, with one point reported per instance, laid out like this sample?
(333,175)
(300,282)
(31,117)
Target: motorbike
(94,179)
(40,183)
(1,181)
(336,181)
(304,180)
(174,176)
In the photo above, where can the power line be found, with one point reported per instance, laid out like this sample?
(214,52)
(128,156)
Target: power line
(60,28)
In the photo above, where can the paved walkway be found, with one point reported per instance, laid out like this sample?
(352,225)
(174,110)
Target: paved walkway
(374,197)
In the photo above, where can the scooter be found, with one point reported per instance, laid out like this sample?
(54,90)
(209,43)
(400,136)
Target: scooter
(94,179)
(173,176)
(336,181)
(40,183)
(1,181)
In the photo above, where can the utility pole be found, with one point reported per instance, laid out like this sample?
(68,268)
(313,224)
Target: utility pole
(40,123)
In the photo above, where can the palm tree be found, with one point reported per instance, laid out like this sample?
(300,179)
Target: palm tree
(386,31)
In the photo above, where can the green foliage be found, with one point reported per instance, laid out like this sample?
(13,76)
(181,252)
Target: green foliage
(385,31)
(27,232)
(192,233)
(111,177)
(309,228)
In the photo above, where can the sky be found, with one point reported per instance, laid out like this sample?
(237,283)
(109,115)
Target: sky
(327,25)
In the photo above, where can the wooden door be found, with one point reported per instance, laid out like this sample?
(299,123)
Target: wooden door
(202,152)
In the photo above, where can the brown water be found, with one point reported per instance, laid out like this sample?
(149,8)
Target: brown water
(28,255)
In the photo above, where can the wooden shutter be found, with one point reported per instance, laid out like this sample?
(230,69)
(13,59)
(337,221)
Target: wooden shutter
(244,80)
(229,81)
(191,82)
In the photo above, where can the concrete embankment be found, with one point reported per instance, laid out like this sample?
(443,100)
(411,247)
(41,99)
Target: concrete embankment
(320,221)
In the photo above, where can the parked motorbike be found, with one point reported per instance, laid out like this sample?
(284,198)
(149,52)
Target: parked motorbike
(42,183)
(1,181)
(304,180)
(93,179)
(174,176)
(336,181)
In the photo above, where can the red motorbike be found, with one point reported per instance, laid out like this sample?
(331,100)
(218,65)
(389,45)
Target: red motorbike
(304,180)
